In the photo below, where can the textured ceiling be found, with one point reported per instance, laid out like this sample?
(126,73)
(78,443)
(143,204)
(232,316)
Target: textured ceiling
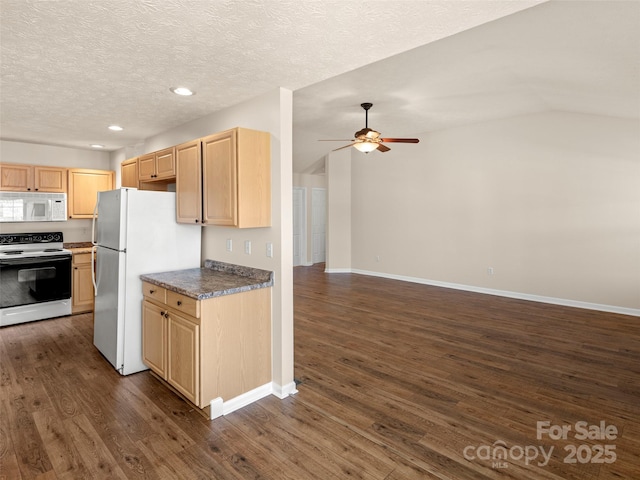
(70,68)
(581,57)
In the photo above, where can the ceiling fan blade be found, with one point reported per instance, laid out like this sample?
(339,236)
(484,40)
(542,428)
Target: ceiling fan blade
(346,146)
(383,148)
(343,140)
(400,140)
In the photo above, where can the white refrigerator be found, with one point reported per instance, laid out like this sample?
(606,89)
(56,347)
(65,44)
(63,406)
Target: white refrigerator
(134,232)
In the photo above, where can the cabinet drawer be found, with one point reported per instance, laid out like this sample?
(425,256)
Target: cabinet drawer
(184,304)
(81,258)
(154,291)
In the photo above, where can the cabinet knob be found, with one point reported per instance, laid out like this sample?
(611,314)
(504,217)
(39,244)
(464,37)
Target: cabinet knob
(179,302)
(151,292)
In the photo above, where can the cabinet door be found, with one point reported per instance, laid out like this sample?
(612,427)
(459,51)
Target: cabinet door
(165,164)
(189,182)
(183,355)
(82,295)
(220,179)
(84,186)
(254,178)
(17,178)
(147,167)
(50,179)
(129,173)
(154,338)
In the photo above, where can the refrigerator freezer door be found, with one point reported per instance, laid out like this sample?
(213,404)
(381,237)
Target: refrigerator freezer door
(108,316)
(111,228)
(157,243)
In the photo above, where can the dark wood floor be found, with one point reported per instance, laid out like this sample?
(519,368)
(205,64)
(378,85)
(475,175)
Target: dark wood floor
(398,381)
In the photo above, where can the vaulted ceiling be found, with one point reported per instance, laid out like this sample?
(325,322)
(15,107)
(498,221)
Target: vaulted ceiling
(70,68)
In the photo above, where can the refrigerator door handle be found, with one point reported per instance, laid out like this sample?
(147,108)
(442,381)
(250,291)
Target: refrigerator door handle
(94,241)
(93,270)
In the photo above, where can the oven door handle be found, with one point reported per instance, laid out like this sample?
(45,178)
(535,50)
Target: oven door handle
(26,261)
(93,270)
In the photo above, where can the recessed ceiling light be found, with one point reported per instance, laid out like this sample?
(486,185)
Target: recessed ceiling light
(96,145)
(115,128)
(182,91)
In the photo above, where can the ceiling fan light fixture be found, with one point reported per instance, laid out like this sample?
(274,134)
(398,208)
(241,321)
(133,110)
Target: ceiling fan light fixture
(367,140)
(366,147)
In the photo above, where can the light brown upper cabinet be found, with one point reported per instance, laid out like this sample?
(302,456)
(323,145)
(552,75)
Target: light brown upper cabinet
(189,182)
(32,178)
(230,185)
(158,165)
(84,186)
(129,173)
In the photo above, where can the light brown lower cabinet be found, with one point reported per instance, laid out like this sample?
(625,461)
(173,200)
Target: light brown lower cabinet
(82,295)
(217,348)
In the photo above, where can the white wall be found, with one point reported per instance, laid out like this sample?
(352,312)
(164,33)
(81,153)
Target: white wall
(272,113)
(74,230)
(37,154)
(550,201)
(339,211)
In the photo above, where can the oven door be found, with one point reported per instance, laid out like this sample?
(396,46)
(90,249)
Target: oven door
(29,280)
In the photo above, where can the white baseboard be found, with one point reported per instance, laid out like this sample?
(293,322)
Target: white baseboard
(502,293)
(219,407)
(338,270)
(284,391)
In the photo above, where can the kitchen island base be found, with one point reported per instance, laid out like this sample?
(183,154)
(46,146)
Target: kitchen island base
(213,347)
(218,407)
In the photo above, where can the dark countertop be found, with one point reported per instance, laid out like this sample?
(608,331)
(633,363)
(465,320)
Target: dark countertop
(213,280)
(78,247)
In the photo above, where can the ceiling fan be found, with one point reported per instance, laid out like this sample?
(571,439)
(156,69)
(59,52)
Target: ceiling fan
(367,140)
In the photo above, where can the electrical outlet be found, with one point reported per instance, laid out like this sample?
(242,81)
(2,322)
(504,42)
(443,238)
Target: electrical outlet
(229,245)
(490,271)
(269,249)
(247,247)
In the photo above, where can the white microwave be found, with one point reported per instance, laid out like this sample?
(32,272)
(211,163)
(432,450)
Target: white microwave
(33,207)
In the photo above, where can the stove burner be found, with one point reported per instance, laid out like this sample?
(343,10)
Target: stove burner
(13,252)
(52,250)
